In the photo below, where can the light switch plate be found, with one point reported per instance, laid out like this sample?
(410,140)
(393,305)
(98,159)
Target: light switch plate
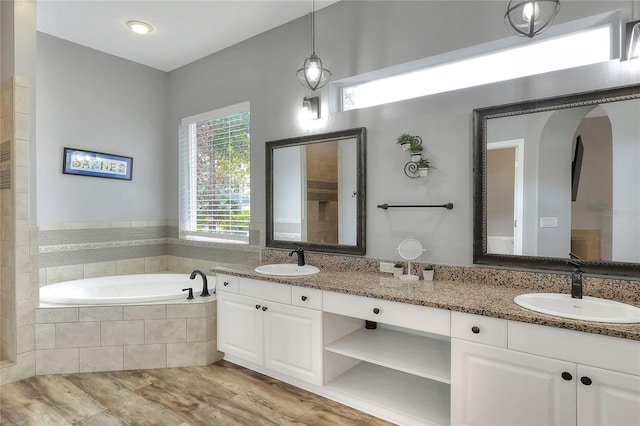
(549,222)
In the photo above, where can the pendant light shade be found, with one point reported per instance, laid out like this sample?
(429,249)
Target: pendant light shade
(527,18)
(313,73)
(633,37)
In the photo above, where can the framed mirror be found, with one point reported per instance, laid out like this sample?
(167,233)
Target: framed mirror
(316,188)
(558,176)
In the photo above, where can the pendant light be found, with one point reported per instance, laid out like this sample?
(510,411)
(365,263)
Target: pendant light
(528,18)
(633,33)
(313,73)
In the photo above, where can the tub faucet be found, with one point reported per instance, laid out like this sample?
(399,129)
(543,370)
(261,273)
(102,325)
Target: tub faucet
(576,279)
(205,287)
(300,252)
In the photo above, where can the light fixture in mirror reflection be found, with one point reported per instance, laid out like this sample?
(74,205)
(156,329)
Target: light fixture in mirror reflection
(316,192)
(556,176)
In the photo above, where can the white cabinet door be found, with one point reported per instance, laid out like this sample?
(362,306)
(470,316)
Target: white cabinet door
(293,341)
(494,386)
(607,398)
(240,326)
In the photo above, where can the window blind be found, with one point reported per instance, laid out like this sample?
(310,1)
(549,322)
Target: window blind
(216,187)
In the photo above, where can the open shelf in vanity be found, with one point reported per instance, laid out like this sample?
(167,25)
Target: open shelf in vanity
(401,370)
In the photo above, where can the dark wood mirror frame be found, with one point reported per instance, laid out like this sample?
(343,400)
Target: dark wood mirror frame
(480,117)
(360,247)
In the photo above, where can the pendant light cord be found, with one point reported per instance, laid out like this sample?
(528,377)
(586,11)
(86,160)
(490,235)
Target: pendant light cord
(313,26)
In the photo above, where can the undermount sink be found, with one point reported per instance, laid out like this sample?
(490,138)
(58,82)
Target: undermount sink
(586,309)
(287,270)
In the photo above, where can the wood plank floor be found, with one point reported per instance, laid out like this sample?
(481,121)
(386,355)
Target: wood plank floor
(218,394)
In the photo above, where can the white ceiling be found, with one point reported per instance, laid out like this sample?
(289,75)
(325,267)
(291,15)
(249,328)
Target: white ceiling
(184,30)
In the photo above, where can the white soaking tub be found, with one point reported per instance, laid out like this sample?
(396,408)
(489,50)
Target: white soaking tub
(123,289)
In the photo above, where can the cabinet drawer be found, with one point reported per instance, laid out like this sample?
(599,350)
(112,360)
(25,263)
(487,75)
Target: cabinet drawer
(480,329)
(306,297)
(415,317)
(265,290)
(227,283)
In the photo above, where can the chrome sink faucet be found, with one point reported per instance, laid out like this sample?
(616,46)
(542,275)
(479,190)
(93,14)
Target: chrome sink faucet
(300,252)
(576,277)
(205,287)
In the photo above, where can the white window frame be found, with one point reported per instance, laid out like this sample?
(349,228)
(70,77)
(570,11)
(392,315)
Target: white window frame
(411,80)
(188,178)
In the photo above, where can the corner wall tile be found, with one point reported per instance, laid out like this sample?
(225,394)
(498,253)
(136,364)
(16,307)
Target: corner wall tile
(99,269)
(26,339)
(56,274)
(186,354)
(109,358)
(57,361)
(196,329)
(45,336)
(165,331)
(155,264)
(100,313)
(145,356)
(77,334)
(130,266)
(122,332)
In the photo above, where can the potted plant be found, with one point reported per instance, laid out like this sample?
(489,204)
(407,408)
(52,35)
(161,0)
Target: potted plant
(423,167)
(398,269)
(416,151)
(405,140)
(427,272)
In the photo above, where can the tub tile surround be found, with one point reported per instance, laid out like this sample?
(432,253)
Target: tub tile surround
(475,290)
(107,338)
(76,250)
(19,254)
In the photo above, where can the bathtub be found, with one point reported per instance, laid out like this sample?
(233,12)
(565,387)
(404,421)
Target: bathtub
(122,289)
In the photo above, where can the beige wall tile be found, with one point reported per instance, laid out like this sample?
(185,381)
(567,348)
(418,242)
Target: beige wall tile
(24,367)
(185,265)
(130,266)
(101,359)
(145,312)
(139,223)
(26,339)
(213,354)
(100,313)
(22,233)
(165,331)
(21,153)
(186,354)
(23,259)
(57,361)
(155,264)
(23,286)
(196,329)
(53,315)
(56,274)
(99,269)
(45,336)
(212,331)
(121,224)
(77,334)
(25,312)
(172,263)
(187,310)
(21,127)
(122,332)
(21,99)
(145,356)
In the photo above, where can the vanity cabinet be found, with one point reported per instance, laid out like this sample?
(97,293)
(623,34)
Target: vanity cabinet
(400,370)
(542,377)
(277,336)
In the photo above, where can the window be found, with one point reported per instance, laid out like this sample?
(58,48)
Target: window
(215,174)
(582,42)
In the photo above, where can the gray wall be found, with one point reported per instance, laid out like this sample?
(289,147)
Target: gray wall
(90,100)
(353,37)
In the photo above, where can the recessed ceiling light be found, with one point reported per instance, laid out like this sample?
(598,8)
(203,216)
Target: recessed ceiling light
(139,27)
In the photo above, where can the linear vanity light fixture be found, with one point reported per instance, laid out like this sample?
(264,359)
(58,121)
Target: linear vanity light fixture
(139,27)
(527,18)
(633,40)
(311,107)
(313,73)
(385,206)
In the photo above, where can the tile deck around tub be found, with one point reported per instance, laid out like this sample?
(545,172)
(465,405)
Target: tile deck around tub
(111,338)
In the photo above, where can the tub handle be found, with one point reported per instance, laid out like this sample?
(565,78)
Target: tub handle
(190,296)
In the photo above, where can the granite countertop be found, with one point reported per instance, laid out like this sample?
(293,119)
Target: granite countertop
(469,297)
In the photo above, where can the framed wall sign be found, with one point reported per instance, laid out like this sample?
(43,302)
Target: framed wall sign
(96,164)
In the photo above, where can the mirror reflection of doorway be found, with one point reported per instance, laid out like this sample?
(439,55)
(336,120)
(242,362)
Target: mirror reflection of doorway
(591,226)
(505,185)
